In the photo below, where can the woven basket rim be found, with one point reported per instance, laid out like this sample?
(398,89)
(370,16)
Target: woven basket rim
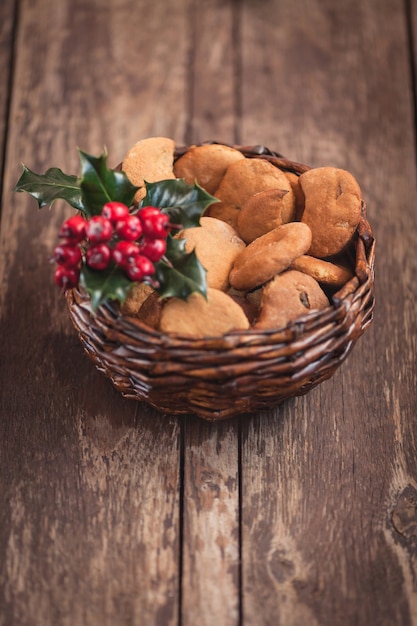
(294,327)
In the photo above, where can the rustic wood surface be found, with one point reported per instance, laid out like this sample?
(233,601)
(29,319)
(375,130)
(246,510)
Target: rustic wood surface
(114,515)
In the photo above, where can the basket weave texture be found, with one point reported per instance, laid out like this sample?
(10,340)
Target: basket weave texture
(242,371)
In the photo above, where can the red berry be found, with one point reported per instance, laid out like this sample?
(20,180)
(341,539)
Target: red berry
(129,227)
(140,268)
(67,254)
(114,211)
(98,256)
(73,229)
(148,211)
(66,277)
(154,249)
(155,224)
(124,253)
(99,229)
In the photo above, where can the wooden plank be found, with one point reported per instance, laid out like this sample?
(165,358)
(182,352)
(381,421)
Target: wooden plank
(210,571)
(90,484)
(7,18)
(331,542)
(411,17)
(89,491)
(213,72)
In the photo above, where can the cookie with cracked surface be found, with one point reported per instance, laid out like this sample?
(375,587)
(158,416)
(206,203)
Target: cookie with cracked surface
(217,245)
(245,178)
(287,297)
(201,317)
(333,203)
(269,255)
(324,272)
(149,160)
(298,195)
(206,164)
(264,211)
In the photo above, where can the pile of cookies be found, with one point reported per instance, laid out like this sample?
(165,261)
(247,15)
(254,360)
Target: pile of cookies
(273,245)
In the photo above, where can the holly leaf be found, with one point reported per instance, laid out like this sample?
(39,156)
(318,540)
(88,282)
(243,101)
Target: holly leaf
(99,184)
(184,203)
(183,275)
(103,285)
(178,273)
(51,186)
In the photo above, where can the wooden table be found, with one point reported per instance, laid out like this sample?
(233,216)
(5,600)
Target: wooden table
(112,514)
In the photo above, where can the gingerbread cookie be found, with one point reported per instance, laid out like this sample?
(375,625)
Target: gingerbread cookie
(332,209)
(149,160)
(216,245)
(298,195)
(243,179)
(225,212)
(201,317)
(263,212)
(206,164)
(137,295)
(150,311)
(269,255)
(324,272)
(249,306)
(287,297)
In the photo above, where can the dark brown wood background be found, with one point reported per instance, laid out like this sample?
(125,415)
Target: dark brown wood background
(114,515)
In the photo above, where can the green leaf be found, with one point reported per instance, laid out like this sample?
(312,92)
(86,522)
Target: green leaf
(103,285)
(51,186)
(183,276)
(178,274)
(99,184)
(184,203)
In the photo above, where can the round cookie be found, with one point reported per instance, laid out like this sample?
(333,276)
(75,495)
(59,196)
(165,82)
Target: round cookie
(217,245)
(269,255)
(245,178)
(298,195)
(137,295)
(249,309)
(206,164)
(219,229)
(324,272)
(332,208)
(287,297)
(150,311)
(201,317)
(149,160)
(263,212)
(225,212)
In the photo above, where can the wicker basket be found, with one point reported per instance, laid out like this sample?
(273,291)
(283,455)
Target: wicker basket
(242,371)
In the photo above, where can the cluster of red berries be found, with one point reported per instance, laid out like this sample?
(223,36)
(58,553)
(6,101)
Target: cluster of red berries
(133,242)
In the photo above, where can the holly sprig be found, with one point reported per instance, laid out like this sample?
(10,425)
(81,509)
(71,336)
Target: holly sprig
(177,273)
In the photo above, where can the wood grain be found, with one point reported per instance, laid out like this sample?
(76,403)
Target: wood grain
(211,553)
(345,453)
(214,72)
(113,514)
(89,529)
(211,473)
(7,24)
